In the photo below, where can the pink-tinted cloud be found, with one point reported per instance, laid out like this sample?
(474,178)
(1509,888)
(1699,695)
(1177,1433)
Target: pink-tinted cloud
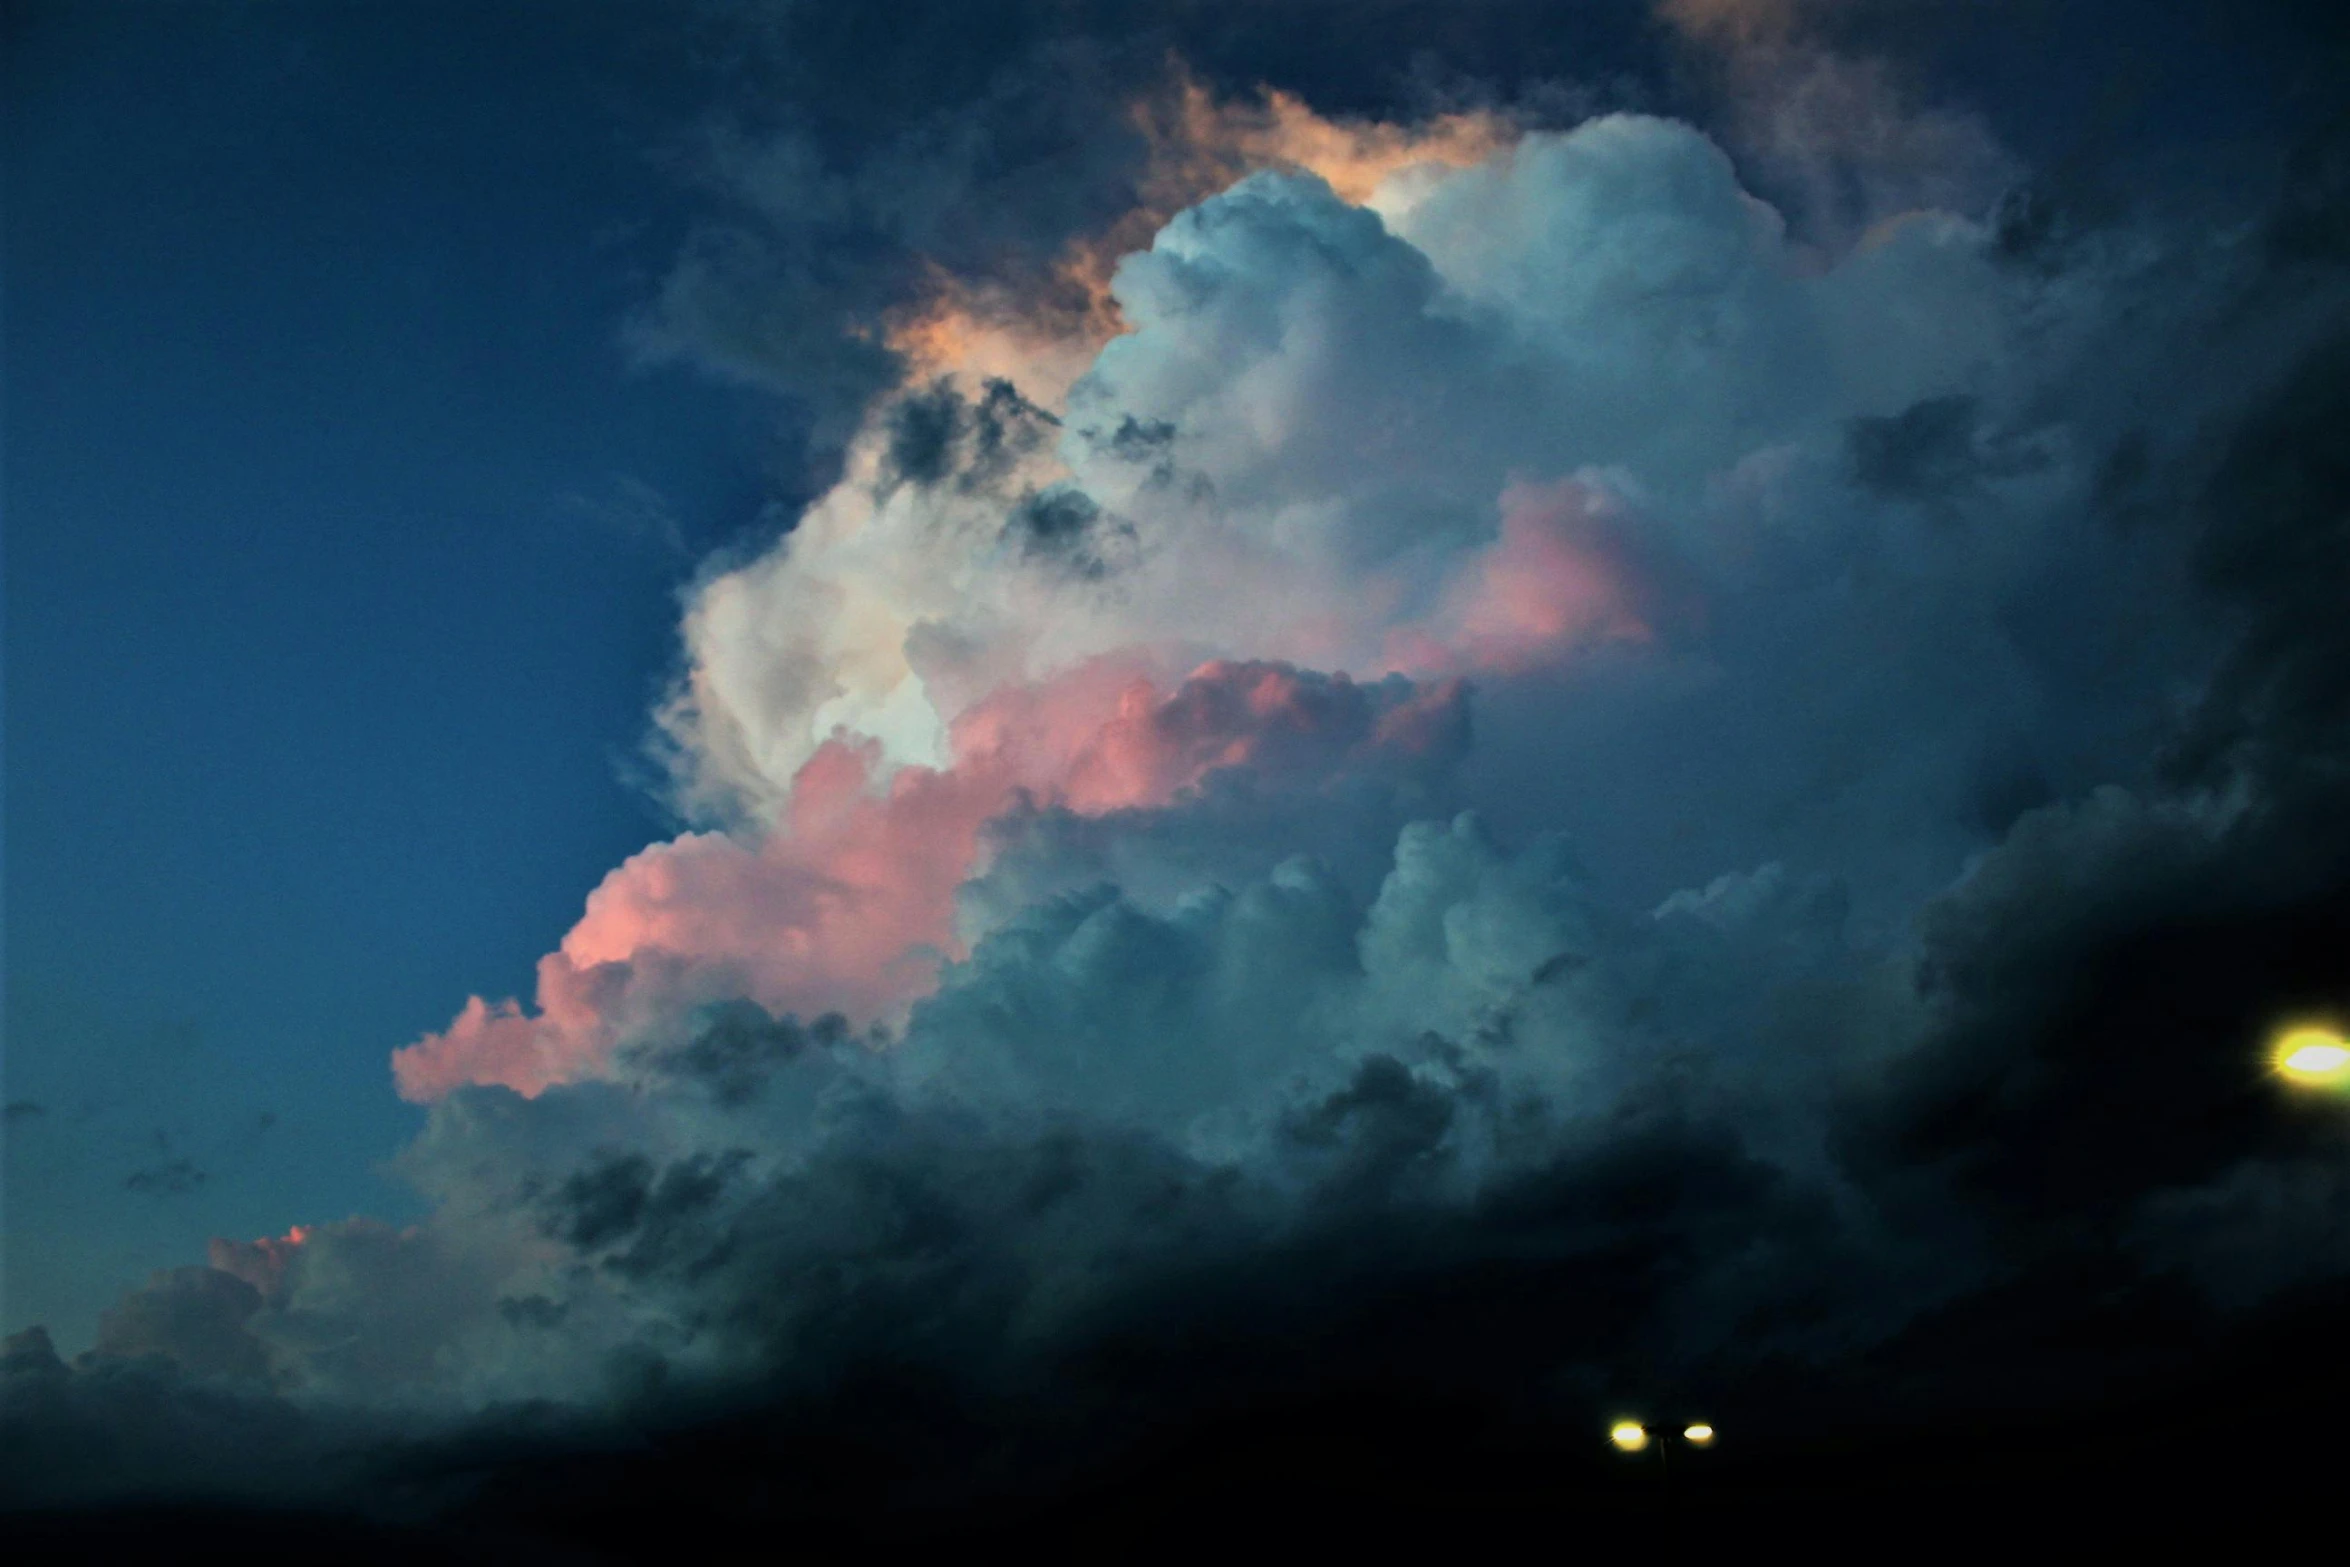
(849,906)
(849,903)
(1558,580)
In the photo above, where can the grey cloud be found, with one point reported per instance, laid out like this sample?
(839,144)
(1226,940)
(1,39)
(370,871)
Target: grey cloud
(619,1196)
(739,1046)
(1066,527)
(1143,442)
(604,1202)
(30,1353)
(195,1317)
(101,1433)
(923,429)
(1925,450)
(1377,1132)
(936,433)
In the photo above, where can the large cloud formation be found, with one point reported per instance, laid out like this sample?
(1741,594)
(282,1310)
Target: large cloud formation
(1466,429)
(1490,767)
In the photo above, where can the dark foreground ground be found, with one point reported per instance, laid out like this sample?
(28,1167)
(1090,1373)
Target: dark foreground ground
(2217,1471)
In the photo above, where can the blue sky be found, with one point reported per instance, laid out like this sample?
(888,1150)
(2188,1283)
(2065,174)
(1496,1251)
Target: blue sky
(333,608)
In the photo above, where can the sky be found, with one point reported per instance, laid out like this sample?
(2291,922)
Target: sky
(342,547)
(831,763)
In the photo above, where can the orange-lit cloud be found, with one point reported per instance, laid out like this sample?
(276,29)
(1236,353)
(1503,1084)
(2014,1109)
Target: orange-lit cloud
(1197,145)
(1200,143)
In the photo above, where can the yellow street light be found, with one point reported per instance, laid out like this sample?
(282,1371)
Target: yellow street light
(1630,1436)
(2312,1056)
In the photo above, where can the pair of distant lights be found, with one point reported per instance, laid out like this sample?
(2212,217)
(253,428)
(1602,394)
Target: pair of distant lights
(1631,1436)
(2313,1057)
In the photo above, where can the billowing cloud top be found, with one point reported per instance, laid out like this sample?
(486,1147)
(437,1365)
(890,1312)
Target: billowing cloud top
(1479,425)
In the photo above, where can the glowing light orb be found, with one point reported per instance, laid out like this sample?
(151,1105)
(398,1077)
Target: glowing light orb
(1629,1435)
(2313,1055)
(1699,1435)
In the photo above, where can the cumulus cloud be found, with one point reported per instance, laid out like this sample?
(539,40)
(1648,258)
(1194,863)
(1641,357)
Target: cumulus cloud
(1376,448)
(1339,414)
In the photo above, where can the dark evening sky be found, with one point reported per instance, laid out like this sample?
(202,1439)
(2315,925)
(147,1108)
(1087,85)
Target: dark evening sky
(888,754)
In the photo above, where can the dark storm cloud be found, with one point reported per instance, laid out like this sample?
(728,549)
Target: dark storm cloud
(621,1198)
(603,1202)
(67,1436)
(741,1045)
(194,1317)
(2105,981)
(1155,1284)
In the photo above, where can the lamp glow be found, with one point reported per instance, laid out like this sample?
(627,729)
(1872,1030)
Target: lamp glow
(1629,1435)
(1699,1435)
(2317,1056)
